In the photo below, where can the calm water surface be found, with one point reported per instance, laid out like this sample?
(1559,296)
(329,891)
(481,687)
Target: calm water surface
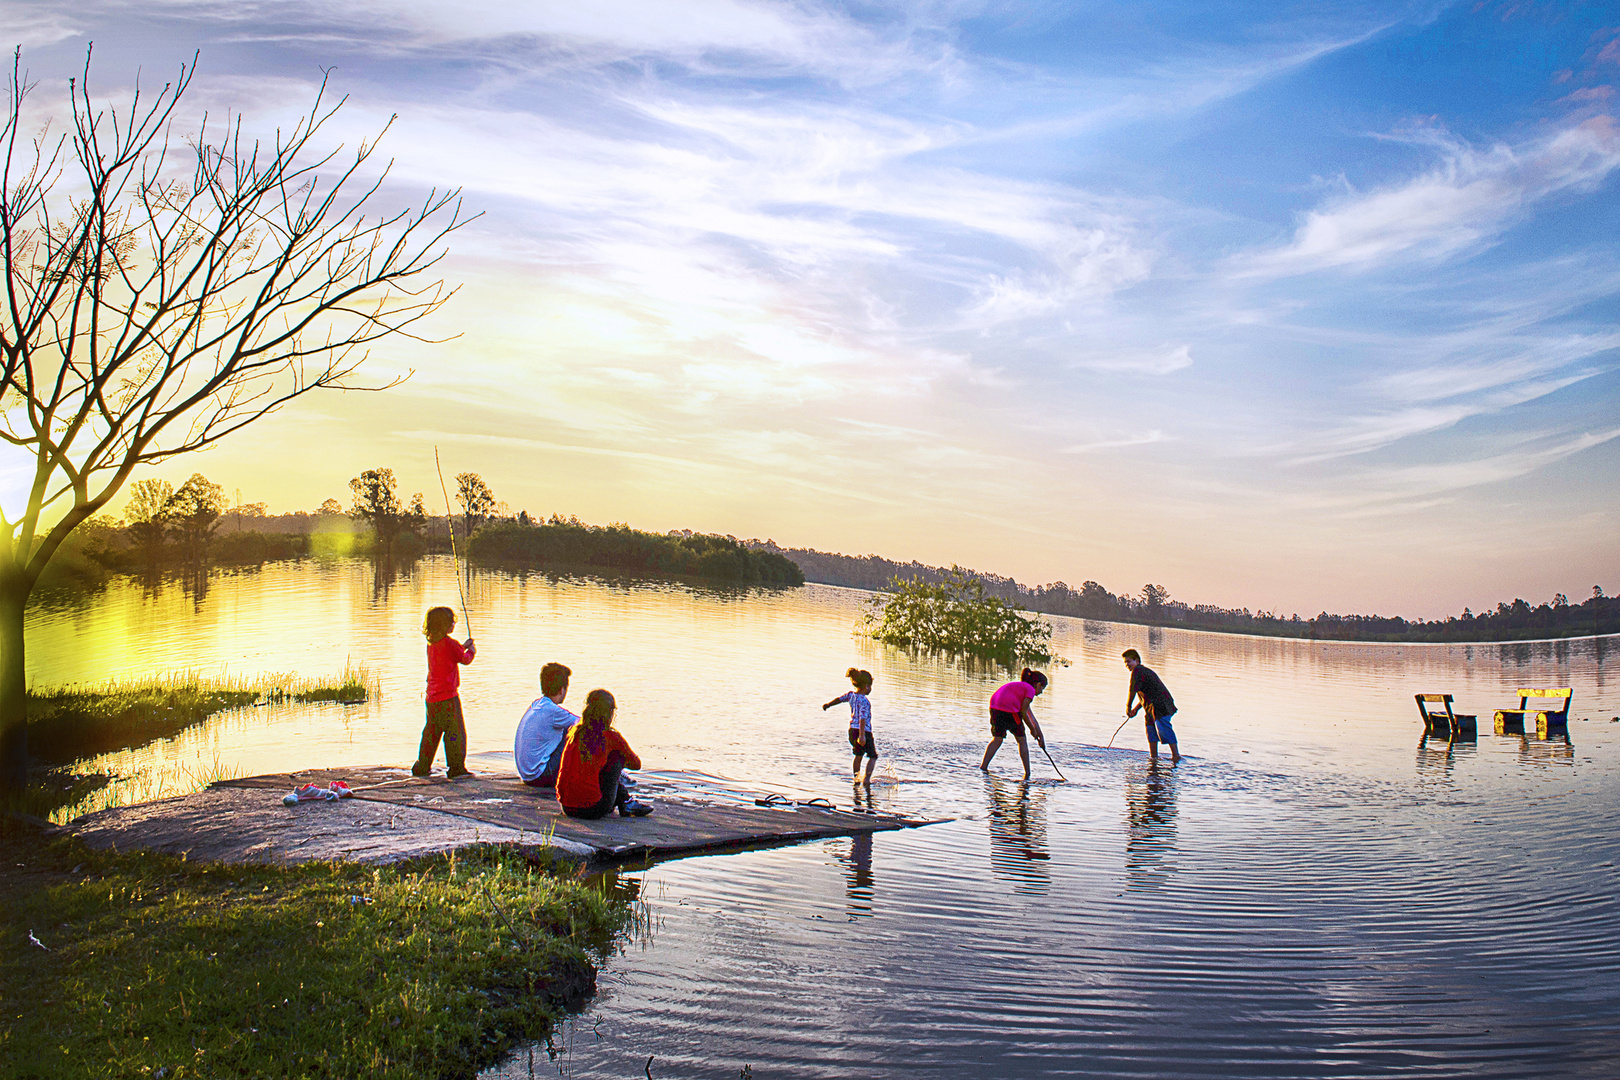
(1313,892)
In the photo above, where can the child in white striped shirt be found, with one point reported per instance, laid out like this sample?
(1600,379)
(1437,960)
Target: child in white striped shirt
(860,721)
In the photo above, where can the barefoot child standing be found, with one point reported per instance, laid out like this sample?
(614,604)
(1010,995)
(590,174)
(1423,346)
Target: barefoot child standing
(860,720)
(444,656)
(1149,690)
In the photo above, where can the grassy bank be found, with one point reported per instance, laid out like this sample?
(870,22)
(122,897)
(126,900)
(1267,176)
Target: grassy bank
(72,722)
(144,965)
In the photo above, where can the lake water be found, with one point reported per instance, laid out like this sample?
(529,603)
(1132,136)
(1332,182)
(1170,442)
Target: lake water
(1312,892)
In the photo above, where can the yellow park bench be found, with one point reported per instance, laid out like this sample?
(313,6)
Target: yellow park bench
(1442,721)
(1546,716)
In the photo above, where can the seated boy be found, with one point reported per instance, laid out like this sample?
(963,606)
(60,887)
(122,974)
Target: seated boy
(544,728)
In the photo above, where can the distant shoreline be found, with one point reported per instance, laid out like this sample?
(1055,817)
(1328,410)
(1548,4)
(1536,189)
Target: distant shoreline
(109,547)
(1270,637)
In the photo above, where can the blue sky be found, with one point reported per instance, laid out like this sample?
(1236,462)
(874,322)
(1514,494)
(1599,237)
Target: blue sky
(1287,306)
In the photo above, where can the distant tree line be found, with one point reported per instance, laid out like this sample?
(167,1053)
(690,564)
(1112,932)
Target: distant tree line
(195,525)
(569,542)
(1153,606)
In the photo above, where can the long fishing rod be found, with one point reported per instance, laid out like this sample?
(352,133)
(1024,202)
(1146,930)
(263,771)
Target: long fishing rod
(450,521)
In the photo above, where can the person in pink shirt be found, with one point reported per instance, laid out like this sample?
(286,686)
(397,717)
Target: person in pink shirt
(1009,712)
(445,655)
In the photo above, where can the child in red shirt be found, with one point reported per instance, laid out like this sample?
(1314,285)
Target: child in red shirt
(444,655)
(593,757)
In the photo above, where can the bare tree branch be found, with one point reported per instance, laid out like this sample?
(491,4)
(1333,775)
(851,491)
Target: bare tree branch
(178,290)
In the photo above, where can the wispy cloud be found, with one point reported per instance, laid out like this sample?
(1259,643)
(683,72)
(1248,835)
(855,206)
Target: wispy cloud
(1391,490)
(1466,201)
(34,25)
(1152,362)
(1142,438)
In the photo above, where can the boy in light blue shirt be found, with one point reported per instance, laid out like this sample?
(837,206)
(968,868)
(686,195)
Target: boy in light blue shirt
(541,733)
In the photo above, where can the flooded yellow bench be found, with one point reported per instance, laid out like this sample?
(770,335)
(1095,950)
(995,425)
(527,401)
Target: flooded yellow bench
(1545,718)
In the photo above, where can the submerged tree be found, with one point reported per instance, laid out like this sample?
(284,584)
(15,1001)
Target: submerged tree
(959,616)
(164,289)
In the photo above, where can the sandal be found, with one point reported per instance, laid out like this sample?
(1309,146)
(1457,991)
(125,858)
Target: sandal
(774,799)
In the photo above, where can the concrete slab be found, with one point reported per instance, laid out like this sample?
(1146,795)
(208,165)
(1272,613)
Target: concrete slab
(243,825)
(395,816)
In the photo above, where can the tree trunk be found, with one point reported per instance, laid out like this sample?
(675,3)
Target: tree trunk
(14,592)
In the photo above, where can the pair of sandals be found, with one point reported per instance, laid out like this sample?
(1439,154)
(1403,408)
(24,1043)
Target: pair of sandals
(779,800)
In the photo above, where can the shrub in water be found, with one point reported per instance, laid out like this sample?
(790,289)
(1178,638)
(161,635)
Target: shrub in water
(957,616)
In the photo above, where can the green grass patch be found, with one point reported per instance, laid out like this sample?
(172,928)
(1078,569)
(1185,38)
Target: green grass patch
(145,965)
(68,723)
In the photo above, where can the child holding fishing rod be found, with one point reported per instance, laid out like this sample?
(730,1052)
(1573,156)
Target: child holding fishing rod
(1010,711)
(445,655)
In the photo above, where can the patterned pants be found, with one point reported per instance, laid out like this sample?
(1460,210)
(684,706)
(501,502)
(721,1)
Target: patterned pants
(443,720)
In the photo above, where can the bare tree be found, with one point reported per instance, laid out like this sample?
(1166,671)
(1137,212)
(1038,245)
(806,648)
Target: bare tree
(165,288)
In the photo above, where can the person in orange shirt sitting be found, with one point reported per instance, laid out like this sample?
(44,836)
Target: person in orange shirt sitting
(593,757)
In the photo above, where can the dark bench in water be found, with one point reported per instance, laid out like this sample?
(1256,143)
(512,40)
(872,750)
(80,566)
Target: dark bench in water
(1442,721)
(1546,718)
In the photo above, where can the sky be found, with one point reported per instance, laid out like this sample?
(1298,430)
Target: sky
(1287,306)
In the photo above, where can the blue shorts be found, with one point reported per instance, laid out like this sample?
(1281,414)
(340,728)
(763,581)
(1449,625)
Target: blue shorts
(1162,729)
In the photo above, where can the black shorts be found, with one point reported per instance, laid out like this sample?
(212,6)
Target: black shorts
(1004,723)
(862,742)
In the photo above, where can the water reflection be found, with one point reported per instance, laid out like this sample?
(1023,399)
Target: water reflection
(855,856)
(1018,851)
(386,571)
(1150,824)
(1436,755)
(1541,753)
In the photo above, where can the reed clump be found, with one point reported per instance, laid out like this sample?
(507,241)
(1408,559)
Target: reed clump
(76,721)
(147,965)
